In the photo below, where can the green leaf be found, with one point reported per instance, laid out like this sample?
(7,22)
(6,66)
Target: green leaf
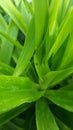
(3,28)
(56,60)
(62,98)
(65,116)
(38,60)
(14,14)
(71,3)
(54,16)
(19,122)
(44,118)
(9,38)
(17,2)
(15,91)
(11,126)
(5,69)
(7,45)
(30,123)
(65,7)
(64,32)
(68,55)
(24,11)
(54,77)
(31,73)
(4,118)
(61,125)
(29,6)
(16,54)
(3,24)
(27,51)
(41,14)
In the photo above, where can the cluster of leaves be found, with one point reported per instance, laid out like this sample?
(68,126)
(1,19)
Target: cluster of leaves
(36,65)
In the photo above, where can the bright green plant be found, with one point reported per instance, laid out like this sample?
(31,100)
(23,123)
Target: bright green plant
(36,65)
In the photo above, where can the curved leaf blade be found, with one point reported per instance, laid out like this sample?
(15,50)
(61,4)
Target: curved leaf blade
(5,117)
(62,98)
(5,69)
(44,118)
(7,46)
(14,14)
(64,32)
(27,51)
(54,77)
(15,91)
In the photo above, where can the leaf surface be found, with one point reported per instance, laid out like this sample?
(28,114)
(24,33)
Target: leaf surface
(44,117)
(64,32)
(41,16)
(62,98)
(27,51)
(5,117)
(15,91)
(14,14)
(54,77)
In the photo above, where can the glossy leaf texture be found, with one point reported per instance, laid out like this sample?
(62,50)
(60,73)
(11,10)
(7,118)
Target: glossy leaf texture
(36,65)
(44,116)
(15,91)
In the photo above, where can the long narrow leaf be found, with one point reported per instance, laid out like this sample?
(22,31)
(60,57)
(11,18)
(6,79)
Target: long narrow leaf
(14,14)
(16,43)
(41,14)
(4,118)
(27,51)
(44,118)
(62,98)
(54,77)
(68,55)
(67,26)
(5,69)
(3,24)
(7,46)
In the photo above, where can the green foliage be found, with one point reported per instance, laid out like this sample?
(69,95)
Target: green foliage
(36,65)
